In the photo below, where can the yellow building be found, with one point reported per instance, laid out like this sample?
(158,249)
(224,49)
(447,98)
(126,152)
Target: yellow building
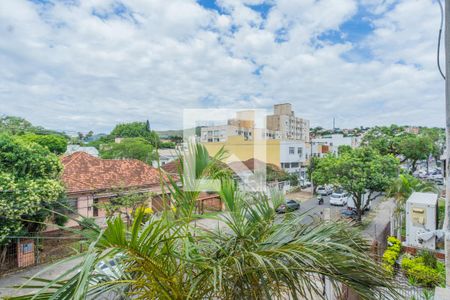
(240,149)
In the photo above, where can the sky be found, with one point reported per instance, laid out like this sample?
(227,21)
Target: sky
(80,65)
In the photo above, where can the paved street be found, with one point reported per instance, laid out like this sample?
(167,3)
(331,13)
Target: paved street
(18,278)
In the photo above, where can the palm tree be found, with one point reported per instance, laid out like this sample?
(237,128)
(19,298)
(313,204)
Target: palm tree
(254,255)
(401,189)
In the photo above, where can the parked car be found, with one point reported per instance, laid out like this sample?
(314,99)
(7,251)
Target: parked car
(339,198)
(290,205)
(324,190)
(348,214)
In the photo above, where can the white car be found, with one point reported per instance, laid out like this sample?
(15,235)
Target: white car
(339,199)
(324,190)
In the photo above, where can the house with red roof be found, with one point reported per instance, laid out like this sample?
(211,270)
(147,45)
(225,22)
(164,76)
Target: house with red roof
(90,181)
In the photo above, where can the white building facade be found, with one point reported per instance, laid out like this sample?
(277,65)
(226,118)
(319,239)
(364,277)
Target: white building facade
(330,144)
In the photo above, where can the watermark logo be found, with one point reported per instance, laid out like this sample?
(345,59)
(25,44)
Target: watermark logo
(241,133)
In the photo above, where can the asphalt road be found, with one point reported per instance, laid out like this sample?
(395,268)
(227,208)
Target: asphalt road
(312,208)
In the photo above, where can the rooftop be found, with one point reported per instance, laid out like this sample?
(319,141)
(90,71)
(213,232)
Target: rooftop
(84,173)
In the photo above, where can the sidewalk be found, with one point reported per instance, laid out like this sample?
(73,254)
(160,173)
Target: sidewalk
(383,212)
(7,281)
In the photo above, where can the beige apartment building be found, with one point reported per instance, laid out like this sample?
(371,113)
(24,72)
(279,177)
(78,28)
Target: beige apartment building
(284,121)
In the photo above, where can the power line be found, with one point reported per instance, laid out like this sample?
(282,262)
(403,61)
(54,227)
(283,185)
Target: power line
(439,39)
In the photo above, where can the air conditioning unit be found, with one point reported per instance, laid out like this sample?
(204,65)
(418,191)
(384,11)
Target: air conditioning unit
(421,220)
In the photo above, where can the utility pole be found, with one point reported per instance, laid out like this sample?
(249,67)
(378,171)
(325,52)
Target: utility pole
(444,293)
(447,137)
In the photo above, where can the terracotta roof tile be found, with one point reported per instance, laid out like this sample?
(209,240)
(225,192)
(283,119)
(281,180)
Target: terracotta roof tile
(83,172)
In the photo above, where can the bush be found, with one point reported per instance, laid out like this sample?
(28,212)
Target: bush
(419,273)
(390,257)
(391,254)
(429,259)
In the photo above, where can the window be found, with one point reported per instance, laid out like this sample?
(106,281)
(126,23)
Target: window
(95,211)
(210,140)
(300,151)
(294,165)
(291,150)
(285,165)
(72,202)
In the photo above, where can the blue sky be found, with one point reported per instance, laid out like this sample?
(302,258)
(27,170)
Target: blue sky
(82,65)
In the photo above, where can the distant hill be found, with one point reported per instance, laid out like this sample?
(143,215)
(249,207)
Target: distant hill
(175,132)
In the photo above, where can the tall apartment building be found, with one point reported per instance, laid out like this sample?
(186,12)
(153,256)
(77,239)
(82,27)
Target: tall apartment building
(285,137)
(284,121)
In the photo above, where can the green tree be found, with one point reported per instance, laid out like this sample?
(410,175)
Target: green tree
(57,144)
(258,256)
(401,188)
(362,172)
(134,130)
(125,203)
(415,148)
(14,125)
(29,183)
(385,139)
(134,148)
(344,149)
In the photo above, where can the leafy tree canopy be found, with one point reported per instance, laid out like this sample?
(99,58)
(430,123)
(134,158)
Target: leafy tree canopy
(409,147)
(18,126)
(29,181)
(55,143)
(134,130)
(360,171)
(134,148)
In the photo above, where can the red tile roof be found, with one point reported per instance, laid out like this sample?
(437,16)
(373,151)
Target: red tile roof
(172,167)
(83,172)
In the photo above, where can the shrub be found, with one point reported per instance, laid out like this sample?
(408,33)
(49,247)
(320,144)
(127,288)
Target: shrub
(429,259)
(424,276)
(391,254)
(421,274)
(392,240)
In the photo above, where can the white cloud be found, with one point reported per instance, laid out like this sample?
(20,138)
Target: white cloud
(66,68)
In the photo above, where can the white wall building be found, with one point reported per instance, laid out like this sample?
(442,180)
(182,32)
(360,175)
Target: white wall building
(292,155)
(330,144)
(165,156)
(77,148)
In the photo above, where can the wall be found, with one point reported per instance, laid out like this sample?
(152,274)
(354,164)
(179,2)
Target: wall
(285,157)
(239,149)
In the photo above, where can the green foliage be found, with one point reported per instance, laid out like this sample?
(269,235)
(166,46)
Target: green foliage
(385,139)
(420,270)
(136,130)
(14,125)
(258,256)
(274,173)
(19,126)
(405,184)
(55,143)
(132,148)
(413,147)
(167,145)
(391,254)
(359,171)
(29,184)
(428,258)
(342,149)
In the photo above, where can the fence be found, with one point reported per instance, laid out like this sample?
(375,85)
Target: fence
(32,250)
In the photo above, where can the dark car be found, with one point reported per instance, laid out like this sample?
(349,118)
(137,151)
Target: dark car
(348,214)
(290,205)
